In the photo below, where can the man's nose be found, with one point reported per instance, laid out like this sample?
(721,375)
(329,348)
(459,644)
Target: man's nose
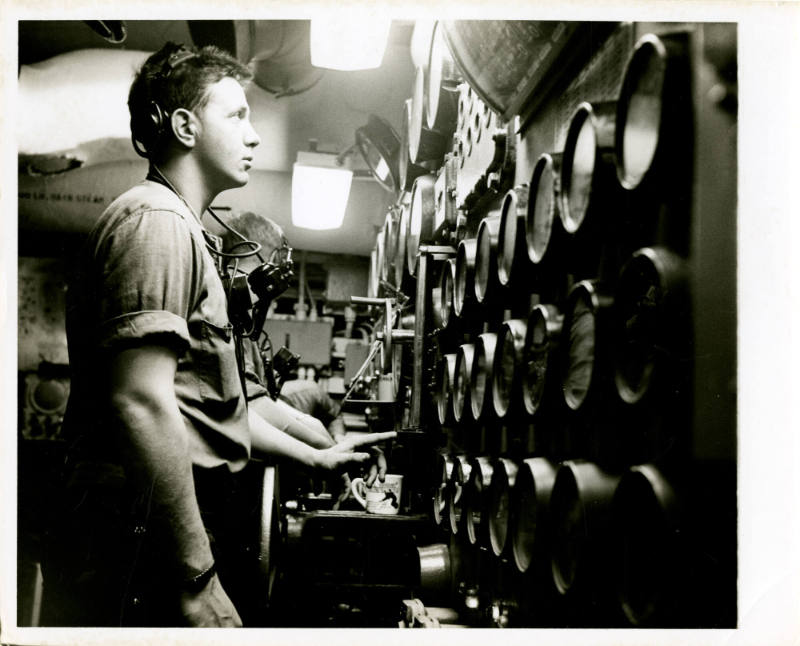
(251,137)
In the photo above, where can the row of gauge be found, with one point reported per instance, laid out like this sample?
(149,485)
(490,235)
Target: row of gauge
(558,338)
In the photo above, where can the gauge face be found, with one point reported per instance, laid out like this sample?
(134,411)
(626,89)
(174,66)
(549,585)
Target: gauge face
(461,388)
(508,240)
(581,174)
(643,548)
(474,511)
(407,170)
(445,399)
(416,116)
(400,256)
(536,359)
(569,530)
(580,352)
(479,370)
(414,228)
(505,372)
(498,527)
(376,161)
(483,263)
(435,66)
(638,306)
(523,537)
(461,281)
(642,114)
(448,278)
(541,209)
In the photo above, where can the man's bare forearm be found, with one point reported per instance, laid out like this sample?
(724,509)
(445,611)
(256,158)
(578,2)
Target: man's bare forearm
(157,453)
(159,459)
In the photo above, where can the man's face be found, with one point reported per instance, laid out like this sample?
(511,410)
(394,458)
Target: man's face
(226,138)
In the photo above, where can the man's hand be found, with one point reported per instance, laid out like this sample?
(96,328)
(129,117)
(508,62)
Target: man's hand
(344,453)
(209,607)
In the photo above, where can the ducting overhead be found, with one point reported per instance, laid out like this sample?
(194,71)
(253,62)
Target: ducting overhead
(279,50)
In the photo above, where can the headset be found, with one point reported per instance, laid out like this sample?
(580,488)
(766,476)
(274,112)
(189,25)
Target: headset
(157,118)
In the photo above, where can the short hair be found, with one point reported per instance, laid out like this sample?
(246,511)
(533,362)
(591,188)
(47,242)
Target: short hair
(171,81)
(254,227)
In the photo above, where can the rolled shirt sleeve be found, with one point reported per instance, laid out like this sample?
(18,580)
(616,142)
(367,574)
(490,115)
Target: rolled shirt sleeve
(146,285)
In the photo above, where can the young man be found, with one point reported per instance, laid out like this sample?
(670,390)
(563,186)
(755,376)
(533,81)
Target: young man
(157,413)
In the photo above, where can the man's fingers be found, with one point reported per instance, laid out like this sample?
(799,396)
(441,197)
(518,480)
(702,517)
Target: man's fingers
(371,438)
(357,457)
(381,467)
(373,473)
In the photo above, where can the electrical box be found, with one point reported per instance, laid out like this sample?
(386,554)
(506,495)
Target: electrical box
(310,339)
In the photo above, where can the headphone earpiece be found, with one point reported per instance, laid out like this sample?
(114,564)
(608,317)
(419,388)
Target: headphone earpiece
(158,118)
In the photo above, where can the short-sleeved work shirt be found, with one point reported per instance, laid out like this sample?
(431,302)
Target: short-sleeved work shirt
(147,277)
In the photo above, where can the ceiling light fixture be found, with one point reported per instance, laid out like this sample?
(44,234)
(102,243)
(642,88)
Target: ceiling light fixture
(349,41)
(320,189)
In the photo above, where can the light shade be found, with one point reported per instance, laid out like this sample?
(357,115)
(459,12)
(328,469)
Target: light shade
(349,41)
(320,190)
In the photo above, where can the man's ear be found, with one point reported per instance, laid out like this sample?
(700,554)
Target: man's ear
(184,126)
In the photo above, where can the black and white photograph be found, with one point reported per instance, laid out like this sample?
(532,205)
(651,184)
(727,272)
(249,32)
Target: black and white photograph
(383,317)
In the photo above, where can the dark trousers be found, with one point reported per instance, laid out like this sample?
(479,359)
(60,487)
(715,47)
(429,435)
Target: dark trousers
(105,565)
